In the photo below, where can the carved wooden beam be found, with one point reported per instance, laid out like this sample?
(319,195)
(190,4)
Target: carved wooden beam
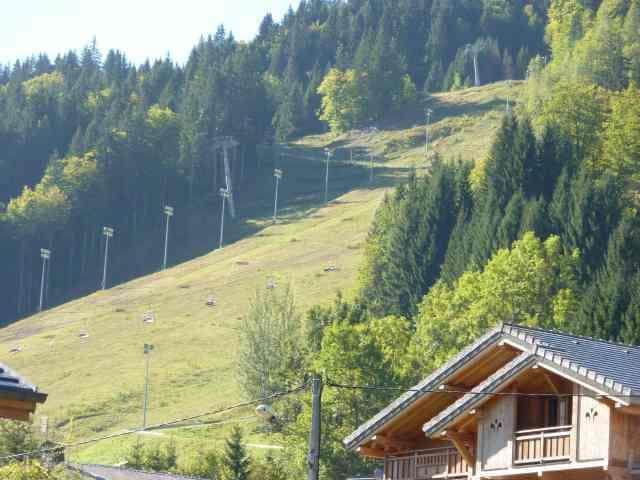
(453,388)
(473,416)
(390,443)
(458,440)
(552,384)
(370,452)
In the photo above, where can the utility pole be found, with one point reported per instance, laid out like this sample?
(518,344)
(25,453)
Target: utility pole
(46,255)
(108,233)
(225,194)
(277,173)
(168,211)
(509,84)
(428,112)
(315,435)
(329,153)
(148,348)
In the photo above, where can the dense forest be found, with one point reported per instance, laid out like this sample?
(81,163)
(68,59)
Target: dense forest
(544,231)
(88,139)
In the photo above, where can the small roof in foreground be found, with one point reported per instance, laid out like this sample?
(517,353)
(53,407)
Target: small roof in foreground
(612,368)
(102,472)
(15,387)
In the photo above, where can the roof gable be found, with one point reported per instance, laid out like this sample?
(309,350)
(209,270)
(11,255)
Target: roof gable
(606,367)
(422,389)
(471,399)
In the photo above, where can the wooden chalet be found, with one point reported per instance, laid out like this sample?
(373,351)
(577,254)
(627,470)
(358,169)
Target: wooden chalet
(519,403)
(18,398)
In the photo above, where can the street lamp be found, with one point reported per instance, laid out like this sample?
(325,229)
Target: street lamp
(46,255)
(277,173)
(168,211)
(428,112)
(329,154)
(148,348)
(225,194)
(108,233)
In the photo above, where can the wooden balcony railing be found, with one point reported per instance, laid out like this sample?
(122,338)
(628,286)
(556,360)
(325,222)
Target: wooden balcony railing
(427,464)
(542,445)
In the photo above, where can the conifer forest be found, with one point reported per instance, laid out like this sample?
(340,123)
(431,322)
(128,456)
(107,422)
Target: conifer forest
(544,231)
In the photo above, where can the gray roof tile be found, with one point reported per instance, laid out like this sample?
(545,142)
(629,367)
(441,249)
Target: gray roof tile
(16,387)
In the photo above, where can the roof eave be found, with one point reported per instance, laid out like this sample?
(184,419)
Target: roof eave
(371,427)
(474,399)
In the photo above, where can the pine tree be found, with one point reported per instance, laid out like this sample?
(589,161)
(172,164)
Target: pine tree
(235,462)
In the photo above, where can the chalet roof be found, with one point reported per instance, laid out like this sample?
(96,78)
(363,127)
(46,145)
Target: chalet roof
(431,382)
(102,472)
(16,387)
(473,398)
(612,368)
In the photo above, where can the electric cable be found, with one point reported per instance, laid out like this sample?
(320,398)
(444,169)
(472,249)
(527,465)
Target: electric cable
(156,426)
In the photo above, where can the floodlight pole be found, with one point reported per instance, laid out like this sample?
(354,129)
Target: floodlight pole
(225,194)
(108,233)
(45,254)
(148,348)
(428,112)
(326,177)
(277,173)
(168,211)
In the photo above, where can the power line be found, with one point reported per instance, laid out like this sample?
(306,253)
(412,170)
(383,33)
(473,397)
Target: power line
(491,393)
(157,426)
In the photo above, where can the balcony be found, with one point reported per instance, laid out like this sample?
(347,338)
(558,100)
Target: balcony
(426,464)
(542,445)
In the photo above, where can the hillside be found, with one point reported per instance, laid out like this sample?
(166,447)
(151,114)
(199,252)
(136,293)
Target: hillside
(97,381)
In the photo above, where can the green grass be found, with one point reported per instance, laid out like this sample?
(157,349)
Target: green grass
(95,385)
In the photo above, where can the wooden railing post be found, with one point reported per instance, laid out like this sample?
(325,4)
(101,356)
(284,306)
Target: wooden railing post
(414,470)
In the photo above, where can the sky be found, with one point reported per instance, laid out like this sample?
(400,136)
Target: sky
(140,28)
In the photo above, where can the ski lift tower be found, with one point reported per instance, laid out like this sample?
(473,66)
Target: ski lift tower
(225,143)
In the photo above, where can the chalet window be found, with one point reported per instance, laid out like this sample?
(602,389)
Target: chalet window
(543,412)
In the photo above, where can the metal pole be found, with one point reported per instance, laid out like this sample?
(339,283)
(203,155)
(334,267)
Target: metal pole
(326,180)
(428,124)
(166,243)
(44,262)
(275,203)
(146,393)
(224,199)
(148,348)
(104,269)
(315,435)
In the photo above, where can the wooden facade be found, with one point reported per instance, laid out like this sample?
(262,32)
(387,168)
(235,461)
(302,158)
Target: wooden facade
(538,422)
